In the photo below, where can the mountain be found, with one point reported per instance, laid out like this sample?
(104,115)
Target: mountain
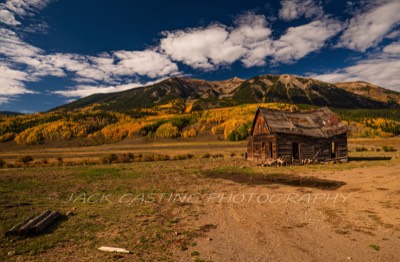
(371,91)
(201,94)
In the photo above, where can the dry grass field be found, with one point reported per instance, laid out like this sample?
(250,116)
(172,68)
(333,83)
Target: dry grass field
(202,209)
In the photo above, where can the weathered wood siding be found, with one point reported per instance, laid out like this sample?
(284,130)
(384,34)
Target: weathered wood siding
(264,144)
(312,147)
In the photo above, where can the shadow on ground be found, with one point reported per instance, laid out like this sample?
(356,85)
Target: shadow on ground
(277,178)
(369,158)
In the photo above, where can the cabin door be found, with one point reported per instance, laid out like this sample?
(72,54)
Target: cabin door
(333,149)
(295,150)
(263,151)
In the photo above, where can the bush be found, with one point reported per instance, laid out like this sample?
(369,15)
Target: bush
(232,154)
(159,157)
(2,163)
(25,159)
(361,149)
(217,155)
(108,158)
(59,160)
(389,149)
(183,157)
(167,131)
(233,136)
(147,158)
(125,158)
(189,133)
(208,155)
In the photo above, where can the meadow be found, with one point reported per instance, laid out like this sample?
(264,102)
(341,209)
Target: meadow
(179,209)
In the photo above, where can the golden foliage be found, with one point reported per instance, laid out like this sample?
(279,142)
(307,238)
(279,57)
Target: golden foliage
(189,133)
(167,131)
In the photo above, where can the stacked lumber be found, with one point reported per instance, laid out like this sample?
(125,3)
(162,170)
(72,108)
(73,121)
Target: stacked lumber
(34,225)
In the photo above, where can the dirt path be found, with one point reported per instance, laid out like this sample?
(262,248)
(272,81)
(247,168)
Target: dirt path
(307,226)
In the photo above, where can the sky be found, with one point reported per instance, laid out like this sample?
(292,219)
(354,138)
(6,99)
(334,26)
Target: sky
(56,51)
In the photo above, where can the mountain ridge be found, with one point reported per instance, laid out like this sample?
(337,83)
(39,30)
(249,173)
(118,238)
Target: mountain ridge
(199,94)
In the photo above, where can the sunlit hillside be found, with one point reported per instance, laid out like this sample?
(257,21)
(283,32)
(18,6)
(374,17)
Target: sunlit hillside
(94,127)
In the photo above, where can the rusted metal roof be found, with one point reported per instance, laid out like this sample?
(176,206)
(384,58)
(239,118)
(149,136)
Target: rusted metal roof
(321,122)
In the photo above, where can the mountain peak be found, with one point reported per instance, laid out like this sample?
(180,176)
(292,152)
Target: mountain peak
(204,94)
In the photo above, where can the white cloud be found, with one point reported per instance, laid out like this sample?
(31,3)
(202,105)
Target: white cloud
(201,48)
(210,47)
(11,83)
(253,34)
(393,48)
(13,47)
(12,8)
(4,100)
(8,18)
(299,41)
(367,29)
(294,9)
(382,70)
(393,34)
(86,90)
(148,63)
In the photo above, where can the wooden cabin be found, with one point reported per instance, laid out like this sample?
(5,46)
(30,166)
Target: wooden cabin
(316,135)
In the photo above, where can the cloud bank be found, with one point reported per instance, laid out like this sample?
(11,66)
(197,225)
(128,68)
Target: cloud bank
(250,40)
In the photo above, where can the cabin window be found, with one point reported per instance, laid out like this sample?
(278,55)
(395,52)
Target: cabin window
(263,145)
(259,128)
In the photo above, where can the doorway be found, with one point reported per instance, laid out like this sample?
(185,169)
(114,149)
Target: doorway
(270,150)
(333,149)
(295,150)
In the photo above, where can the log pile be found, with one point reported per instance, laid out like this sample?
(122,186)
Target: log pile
(289,161)
(35,225)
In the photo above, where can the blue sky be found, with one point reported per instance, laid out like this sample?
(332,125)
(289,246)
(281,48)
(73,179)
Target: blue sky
(55,51)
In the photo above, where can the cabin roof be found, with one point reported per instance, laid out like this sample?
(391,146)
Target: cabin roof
(321,122)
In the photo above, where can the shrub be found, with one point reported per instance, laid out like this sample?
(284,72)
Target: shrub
(147,158)
(9,165)
(2,163)
(125,158)
(232,154)
(217,155)
(233,136)
(208,155)
(389,149)
(361,149)
(167,131)
(159,157)
(108,158)
(59,160)
(183,157)
(25,159)
(189,133)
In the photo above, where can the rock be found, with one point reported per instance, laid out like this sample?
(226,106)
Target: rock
(11,253)
(209,239)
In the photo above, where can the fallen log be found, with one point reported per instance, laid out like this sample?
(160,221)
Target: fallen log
(42,224)
(26,228)
(14,230)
